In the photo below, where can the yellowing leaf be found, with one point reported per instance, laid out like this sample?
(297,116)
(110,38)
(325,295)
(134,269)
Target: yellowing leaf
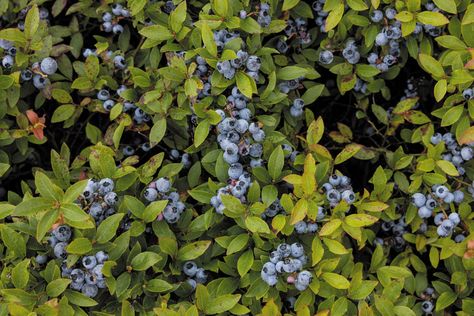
(373,206)
(360,220)
(348,151)
(336,280)
(467,136)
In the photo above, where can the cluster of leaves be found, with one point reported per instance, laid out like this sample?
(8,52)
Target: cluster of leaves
(164,123)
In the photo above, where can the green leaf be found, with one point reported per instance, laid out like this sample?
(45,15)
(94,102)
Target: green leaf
(222,303)
(6,81)
(334,17)
(335,280)
(158,131)
(32,206)
(452,115)
(158,286)
(431,65)
(440,89)
(291,72)
(193,250)
(13,35)
(221,7)
(317,250)
(289,4)
(348,151)
(46,187)
(451,42)
(72,212)
(79,299)
(201,132)
(447,5)
(237,244)
(257,225)
(57,287)
(153,210)
(45,223)
(432,18)
(244,83)
(360,220)
(357,5)
(20,274)
(312,94)
(447,167)
(245,262)
(79,246)
(177,17)
(208,39)
(445,299)
(107,229)
(158,33)
(31,21)
(62,113)
(276,162)
(135,6)
(144,260)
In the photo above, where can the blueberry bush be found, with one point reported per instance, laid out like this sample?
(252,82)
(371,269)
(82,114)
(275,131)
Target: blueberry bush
(237,157)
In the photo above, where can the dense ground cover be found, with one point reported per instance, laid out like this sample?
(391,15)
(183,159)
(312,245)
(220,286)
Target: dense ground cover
(236,157)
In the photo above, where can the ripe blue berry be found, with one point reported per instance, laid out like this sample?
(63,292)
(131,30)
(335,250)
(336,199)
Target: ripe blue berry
(49,66)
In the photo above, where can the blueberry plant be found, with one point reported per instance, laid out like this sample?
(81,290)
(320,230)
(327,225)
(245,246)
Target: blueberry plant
(236,157)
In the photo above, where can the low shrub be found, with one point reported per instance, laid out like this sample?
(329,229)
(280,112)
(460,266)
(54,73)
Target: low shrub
(237,157)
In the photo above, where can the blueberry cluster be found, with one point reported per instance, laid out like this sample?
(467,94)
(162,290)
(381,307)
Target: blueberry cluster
(287,259)
(87,276)
(184,158)
(395,229)
(264,17)
(295,28)
(428,296)
(296,110)
(58,240)
(457,155)
(9,52)
(111,19)
(99,199)
(339,188)
(308,226)
(322,15)
(195,274)
(273,210)
(161,190)
(289,85)
(426,205)
(221,38)
(250,63)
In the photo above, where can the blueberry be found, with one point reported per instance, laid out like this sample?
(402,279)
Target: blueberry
(301,227)
(76,285)
(40,82)
(117,9)
(77,275)
(103,95)
(253,63)
(454,218)
(459,238)
(8,61)
(275,257)
(458,196)
(418,199)
(89,262)
(381,39)
(333,196)
(269,268)
(271,280)
(26,75)
(192,283)
(304,277)
(335,180)
(89,290)
(119,62)
(390,13)
(427,307)
(468,94)
(284,250)
(97,271)
(60,250)
(441,191)
(447,225)
(376,16)
(348,196)
(190,268)
(201,275)
(101,257)
(105,186)
(128,150)
(312,227)
(107,17)
(467,153)
(111,198)
(49,66)
(297,250)
(41,259)
(430,203)
(449,198)
(424,212)
(243,14)
(295,112)
(163,185)
(62,233)
(326,57)
(96,210)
